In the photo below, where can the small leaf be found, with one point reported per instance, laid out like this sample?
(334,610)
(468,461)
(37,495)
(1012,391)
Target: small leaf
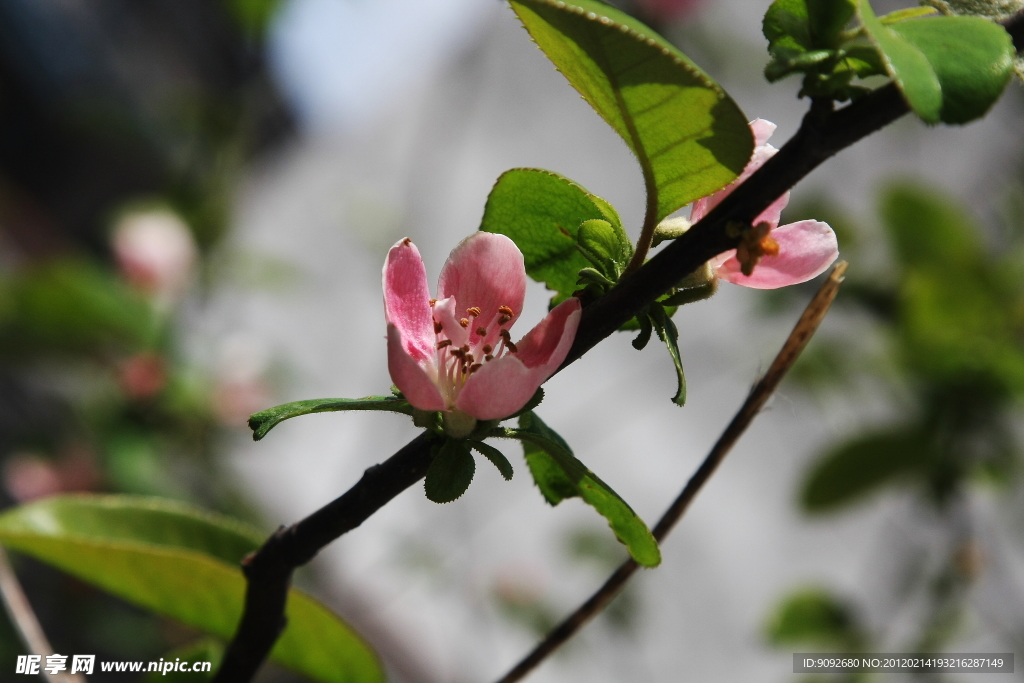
(181,563)
(688,135)
(906,65)
(265,420)
(668,333)
(861,466)
(560,475)
(450,473)
(605,246)
(541,212)
(496,457)
(644,324)
(972,59)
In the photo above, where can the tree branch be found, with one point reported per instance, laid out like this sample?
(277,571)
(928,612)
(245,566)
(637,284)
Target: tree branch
(822,133)
(759,395)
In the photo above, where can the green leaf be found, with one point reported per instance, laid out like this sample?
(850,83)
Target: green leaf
(690,138)
(202,651)
(181,563)
(668,333)
(972,59)
(906,65)
(450,473)
(541,212)
(265,420)
(815,617)
(559,475)
(496,457)
(605,245)
(787,26)
(860,466)
(928,230)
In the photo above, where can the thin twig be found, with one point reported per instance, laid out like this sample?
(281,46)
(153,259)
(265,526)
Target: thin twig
(759,395)
(25,622)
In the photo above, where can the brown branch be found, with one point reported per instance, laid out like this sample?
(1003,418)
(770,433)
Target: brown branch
(758,396)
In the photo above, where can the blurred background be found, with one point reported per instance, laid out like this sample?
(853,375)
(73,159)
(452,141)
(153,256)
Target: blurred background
(196,199)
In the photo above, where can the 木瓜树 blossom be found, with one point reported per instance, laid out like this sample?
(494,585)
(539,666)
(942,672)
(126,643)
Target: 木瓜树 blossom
(455,353)
(789,254)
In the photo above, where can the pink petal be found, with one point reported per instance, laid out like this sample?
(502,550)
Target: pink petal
(762,152)
(407,299)
(444,313)
(762,130)
(806,249)
(503,386)
(485,271)
(414,379)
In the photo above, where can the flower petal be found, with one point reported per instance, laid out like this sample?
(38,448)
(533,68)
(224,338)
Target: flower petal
(762,130)
(407,299)
(806,249)
(485,271)
(503,386)
(444,313)
(414,379)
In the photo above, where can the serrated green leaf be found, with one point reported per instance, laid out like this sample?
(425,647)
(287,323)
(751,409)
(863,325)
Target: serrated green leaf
(450,473)
(787,27)
(559,475)
(496,457)
(906,65)
(690,138)
(541,212)
(972,59)
(262,422)
(861,466)
(181,563)
(668,334)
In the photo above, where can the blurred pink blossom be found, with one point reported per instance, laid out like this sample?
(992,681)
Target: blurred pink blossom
(156,252)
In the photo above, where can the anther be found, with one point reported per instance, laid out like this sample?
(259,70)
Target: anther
(432,302)
(506,310)
(488,348)
(475,311)
(469,358)
(406,242)
(464,322)
(504,334)
(458,353)
(443,343)
(482,331)
(503,319)
(488,357)
(438,327)
(465,348)
(511,347)
(474,368)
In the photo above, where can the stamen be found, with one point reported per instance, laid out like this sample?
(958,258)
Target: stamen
(488,357)
(406,242)
(432,302)
(475,311)
(474,368)
(443,343)
(465,348)
(458,353)
(464,322)
(482,331)
(506,310)
(504,334)
(438,327)
(469,358)
(487,348)
(511,347)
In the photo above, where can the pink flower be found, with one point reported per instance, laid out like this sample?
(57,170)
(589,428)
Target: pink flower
(455,353)
(156,252)
(804,249)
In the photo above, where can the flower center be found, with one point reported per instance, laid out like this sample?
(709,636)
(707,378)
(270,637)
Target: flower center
(484,343)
